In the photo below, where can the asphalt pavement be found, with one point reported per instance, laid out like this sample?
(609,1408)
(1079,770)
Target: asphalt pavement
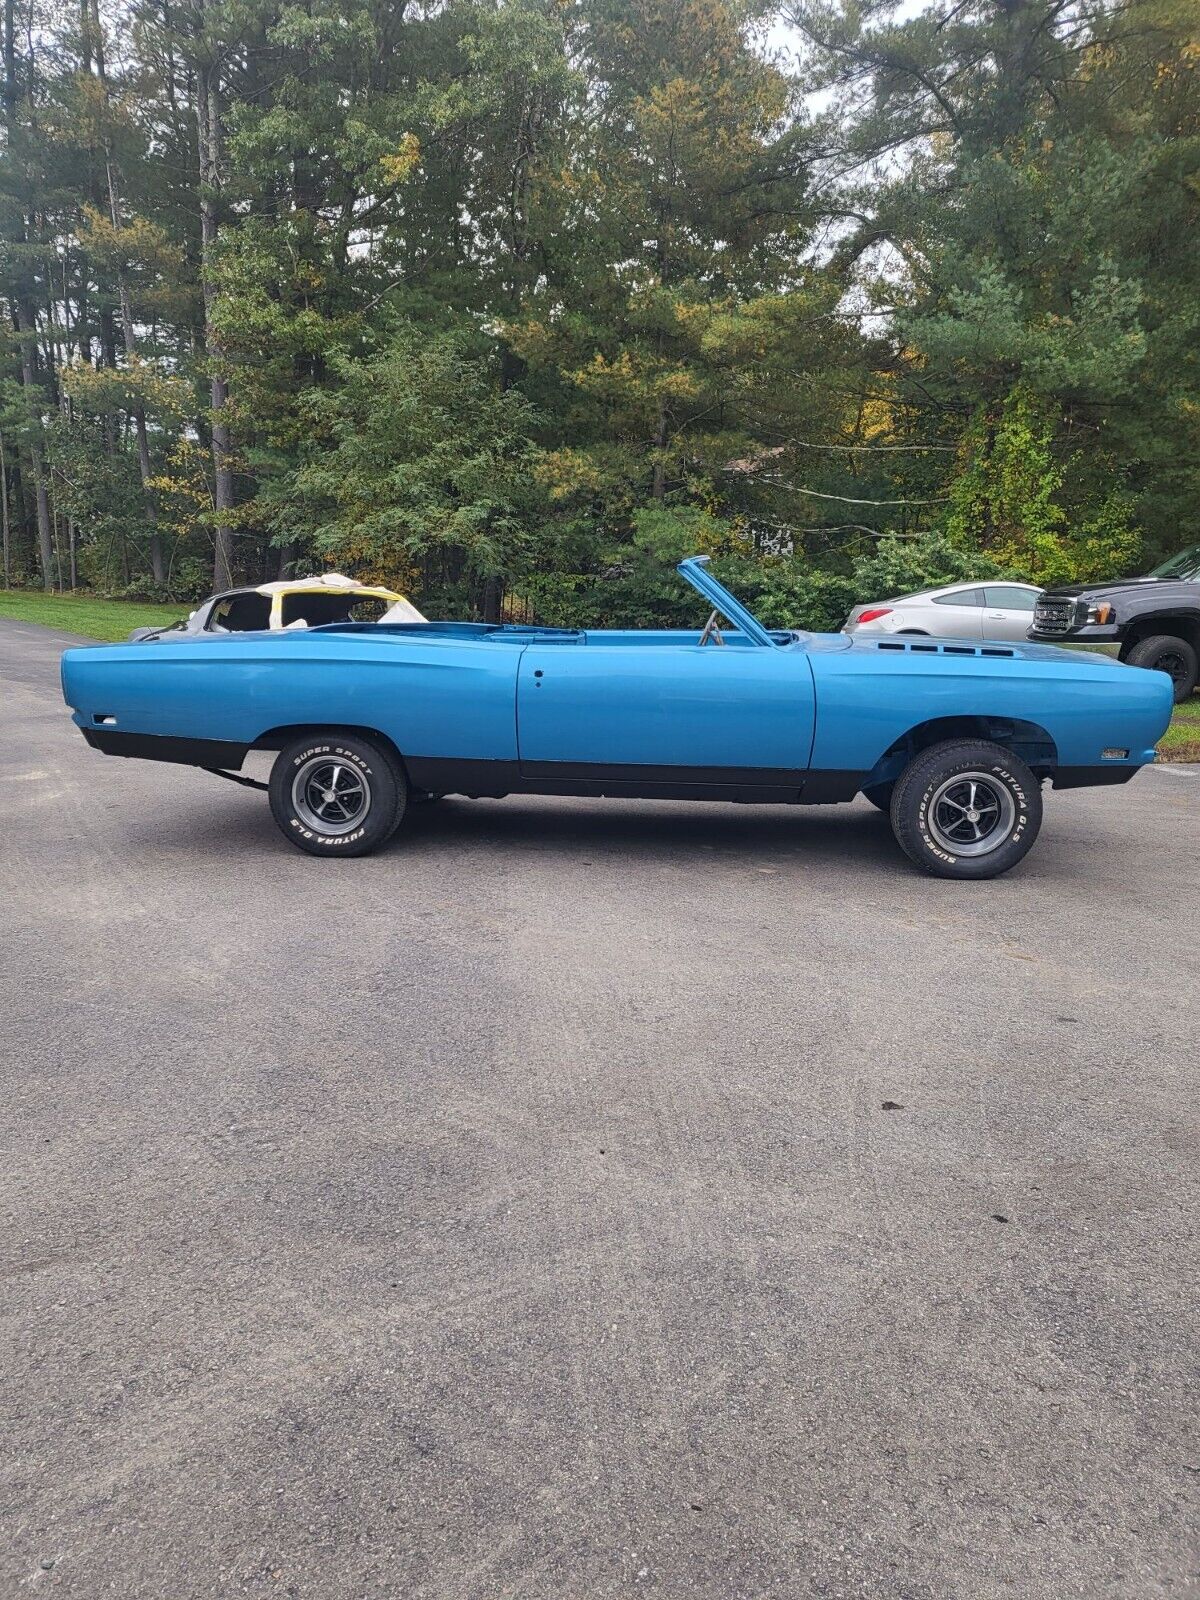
(585,1198)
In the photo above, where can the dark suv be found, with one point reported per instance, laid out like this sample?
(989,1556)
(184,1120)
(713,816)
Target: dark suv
(1149,622)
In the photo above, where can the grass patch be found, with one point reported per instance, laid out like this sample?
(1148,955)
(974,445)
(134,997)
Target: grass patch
(1181,742)
(87,614)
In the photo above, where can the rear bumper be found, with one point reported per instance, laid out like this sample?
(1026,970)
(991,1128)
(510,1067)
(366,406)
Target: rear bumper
(158,747)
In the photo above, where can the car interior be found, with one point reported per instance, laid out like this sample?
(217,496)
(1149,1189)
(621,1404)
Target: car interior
(240,613)
(251,613)
(315,610)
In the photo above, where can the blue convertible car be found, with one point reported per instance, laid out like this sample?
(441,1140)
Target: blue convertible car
(953,739)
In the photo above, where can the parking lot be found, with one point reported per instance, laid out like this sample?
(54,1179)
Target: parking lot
(586,1198)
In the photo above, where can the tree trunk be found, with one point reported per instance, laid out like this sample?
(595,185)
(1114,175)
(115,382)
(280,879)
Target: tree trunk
(10,64)
(28,337)
(58,560)
(149,509)
(26,324)
(145,472)
(108,358)
(4,528)
(493,594)
(23,540)
(209,143)
(662,433)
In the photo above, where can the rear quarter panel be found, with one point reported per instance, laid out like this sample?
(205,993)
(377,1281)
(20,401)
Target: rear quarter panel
(444,697)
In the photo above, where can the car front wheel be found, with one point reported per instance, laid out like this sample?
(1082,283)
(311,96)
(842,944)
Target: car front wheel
(966,810)
(337,794)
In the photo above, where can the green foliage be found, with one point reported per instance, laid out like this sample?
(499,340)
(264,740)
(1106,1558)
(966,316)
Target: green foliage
(1032,234)
(1107,543)
(419,461)
(1007,500)
(1004,499)
(928,561)
(98,489)
(785,594)
(513,297)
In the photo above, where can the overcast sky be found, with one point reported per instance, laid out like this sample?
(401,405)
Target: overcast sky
(782,36)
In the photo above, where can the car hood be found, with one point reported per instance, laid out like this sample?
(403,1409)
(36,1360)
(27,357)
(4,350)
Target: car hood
(1074,591)
(952,650)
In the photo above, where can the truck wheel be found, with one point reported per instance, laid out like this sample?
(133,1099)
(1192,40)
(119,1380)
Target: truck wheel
(337,794)
(966,809)
(1167,652)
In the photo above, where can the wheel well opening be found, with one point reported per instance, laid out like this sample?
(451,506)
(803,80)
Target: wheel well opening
(277,738)
(1147,627)
(1028,740)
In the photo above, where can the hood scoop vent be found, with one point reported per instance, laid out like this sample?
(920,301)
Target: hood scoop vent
(929,648)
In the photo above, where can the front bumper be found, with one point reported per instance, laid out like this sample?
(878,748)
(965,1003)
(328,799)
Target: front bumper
(1092,635)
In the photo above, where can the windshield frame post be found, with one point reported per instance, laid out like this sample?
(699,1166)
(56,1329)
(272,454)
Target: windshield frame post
(694,570)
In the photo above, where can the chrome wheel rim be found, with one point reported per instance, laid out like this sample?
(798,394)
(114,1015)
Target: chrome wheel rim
(971,814)
(331,796)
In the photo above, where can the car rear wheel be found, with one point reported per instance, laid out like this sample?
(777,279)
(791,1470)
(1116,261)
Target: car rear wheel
(337,794)
(966,810)
(1166,652)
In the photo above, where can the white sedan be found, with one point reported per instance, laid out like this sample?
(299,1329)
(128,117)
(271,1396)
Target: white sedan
(959,611)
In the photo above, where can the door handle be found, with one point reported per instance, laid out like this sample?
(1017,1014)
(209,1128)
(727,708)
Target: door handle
(997,616)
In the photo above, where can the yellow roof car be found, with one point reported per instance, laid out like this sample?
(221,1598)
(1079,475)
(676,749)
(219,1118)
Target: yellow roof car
(291,603)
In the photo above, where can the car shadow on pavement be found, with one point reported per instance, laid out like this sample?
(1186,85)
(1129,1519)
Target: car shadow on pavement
(663,829)
(854,834)
(854,837)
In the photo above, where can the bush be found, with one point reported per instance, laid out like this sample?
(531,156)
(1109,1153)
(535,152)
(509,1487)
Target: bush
(903,566)
(782,594)
(641,590)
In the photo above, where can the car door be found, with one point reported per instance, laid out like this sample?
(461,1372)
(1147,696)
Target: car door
(665,711)
(955,614)
(1008,610)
